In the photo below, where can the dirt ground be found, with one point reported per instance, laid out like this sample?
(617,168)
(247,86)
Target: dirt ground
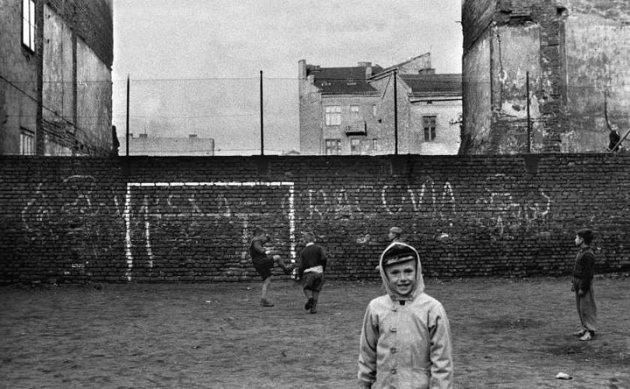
(506,334)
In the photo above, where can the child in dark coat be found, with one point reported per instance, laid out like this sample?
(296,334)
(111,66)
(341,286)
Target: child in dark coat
(313,263)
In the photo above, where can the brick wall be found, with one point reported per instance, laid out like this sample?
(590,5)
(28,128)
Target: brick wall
(189,219)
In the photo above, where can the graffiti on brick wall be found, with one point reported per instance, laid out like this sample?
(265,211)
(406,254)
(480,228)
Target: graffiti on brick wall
(506,211)
(344,203)
(177,225)
(429,201)
(178,222)
(434,200)
(78,220)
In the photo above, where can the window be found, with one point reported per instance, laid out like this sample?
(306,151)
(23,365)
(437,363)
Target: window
(354,113)
(429,127)
(375,145)
(28,24)
(355,146)
(333,146)
(26,143)
(374,110)
(333,115)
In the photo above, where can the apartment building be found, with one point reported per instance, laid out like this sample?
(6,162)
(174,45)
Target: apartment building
(351,110)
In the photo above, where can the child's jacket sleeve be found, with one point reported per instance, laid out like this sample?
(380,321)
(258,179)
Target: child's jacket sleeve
(441,349)
(367,350)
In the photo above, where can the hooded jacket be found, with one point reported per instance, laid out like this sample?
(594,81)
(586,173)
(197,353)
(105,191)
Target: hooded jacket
(405,340)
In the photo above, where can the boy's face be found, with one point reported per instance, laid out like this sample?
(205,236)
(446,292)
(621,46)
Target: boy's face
(578,240)
(402,277)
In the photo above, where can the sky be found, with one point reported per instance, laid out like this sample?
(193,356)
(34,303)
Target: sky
(195,65)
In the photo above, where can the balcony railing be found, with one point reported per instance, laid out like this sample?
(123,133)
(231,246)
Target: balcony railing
(356,128)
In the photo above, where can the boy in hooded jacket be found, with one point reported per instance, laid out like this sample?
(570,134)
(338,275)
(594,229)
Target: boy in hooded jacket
(405,339)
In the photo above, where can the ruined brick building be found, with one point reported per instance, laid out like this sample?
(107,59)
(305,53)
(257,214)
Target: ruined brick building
(351,110)
(575,53)
(55,77)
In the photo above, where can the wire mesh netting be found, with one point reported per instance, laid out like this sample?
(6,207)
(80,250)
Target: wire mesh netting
(232,112)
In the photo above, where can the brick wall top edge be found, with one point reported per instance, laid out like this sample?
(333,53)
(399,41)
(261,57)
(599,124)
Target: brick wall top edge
(409,157)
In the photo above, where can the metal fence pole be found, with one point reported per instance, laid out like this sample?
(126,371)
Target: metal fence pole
(395,113)
(262,132)
(127,121)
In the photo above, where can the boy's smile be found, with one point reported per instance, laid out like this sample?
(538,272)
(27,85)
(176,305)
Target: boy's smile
(402,277)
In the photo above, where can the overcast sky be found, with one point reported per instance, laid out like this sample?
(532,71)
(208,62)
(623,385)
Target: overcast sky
(195,64)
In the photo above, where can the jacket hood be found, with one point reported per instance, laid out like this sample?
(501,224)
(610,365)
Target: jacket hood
(419,287)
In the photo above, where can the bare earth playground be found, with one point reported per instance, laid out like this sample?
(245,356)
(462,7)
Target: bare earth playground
(507,333)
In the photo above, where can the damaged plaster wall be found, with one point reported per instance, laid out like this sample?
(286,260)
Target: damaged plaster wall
(94,90)
(515,58)
(476,108)
(575,52)
(58,85)
(598,73)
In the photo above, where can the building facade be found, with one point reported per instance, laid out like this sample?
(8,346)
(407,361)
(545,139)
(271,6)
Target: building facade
(142,144)
(544,76)
(55,77)
(351,110)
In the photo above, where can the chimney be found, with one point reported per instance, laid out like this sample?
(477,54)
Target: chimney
(368,68)
(309,71)
(302,69)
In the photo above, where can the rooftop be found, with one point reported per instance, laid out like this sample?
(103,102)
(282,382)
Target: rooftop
(433,84)
(342,80)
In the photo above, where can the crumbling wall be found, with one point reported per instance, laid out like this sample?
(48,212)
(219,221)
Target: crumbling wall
(598,73)
(575,53)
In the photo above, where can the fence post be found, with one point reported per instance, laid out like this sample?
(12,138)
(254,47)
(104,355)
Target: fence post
(262,132)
